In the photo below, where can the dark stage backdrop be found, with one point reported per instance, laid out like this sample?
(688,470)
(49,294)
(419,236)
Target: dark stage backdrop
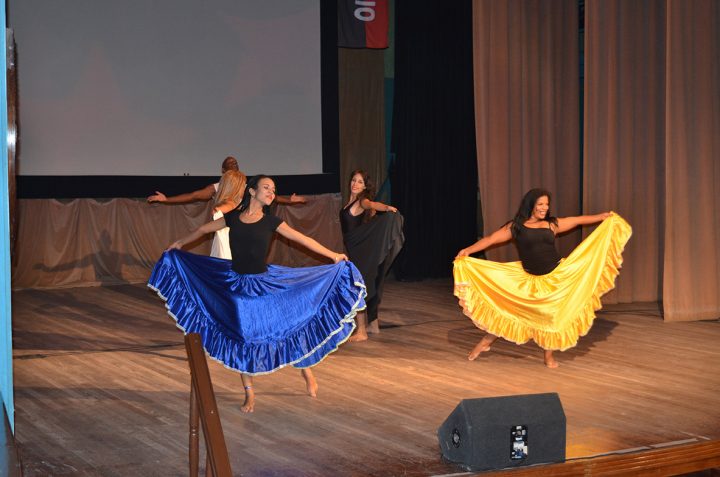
(434,177)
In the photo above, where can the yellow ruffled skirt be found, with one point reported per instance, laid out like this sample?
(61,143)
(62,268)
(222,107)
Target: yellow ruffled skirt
(553,310)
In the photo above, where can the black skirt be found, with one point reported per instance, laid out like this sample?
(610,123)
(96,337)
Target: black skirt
(372,247)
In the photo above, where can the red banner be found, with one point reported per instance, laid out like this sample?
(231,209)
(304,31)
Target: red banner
(363,23)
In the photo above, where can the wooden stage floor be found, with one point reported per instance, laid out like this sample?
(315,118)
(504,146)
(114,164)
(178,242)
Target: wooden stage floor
(102,386)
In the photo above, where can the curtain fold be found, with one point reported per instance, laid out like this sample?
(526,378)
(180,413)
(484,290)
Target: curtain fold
(526,71)
(624,136)
(86,242)
(691,286)
(319,219)
(361,86)
(652,143)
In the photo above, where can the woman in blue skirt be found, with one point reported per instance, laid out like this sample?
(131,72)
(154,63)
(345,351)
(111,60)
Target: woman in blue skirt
(253,317)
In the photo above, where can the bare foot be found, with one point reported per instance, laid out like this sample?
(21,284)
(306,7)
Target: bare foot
(249,404)
(357,336)
(373,327)
(482,346)
(361,328)
(550,361)
(310,382)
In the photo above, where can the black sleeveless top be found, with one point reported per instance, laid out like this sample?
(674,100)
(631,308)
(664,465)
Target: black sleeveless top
(537,251)
(249,243)
(348,221)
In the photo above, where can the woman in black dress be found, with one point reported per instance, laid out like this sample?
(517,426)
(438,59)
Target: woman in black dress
(373,236)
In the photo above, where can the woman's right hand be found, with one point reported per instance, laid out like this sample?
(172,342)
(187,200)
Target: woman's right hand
(177,245)
(340,257)
(462,253)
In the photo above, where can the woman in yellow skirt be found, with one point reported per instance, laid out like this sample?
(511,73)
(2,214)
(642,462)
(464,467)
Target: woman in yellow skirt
(543,297)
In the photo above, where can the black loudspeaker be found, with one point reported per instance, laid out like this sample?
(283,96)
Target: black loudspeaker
(506,431)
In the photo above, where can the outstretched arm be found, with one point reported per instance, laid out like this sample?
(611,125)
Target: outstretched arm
(293,199)
(377,206)
(204,229)
(203,194)
(499,236)
(569,223)
(291,234)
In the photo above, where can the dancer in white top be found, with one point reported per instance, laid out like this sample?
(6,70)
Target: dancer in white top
(229,193)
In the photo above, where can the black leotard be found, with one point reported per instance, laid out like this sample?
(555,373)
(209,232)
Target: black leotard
(536,247)
(249,243)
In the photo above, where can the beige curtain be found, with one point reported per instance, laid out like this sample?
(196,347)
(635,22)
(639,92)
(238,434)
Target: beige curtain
(362,114)
(86,242)
(691,286)
(319,219)
(652,145)
(624,148)
(526,108)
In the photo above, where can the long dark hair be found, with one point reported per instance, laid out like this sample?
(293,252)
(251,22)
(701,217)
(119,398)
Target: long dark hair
(527,204)
(369,192)
(252,183)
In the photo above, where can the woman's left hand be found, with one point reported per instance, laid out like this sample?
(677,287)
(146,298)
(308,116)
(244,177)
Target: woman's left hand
(297,199)
(390,208)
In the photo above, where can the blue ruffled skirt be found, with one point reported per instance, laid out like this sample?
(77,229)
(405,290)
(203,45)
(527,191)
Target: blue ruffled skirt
(257,324)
